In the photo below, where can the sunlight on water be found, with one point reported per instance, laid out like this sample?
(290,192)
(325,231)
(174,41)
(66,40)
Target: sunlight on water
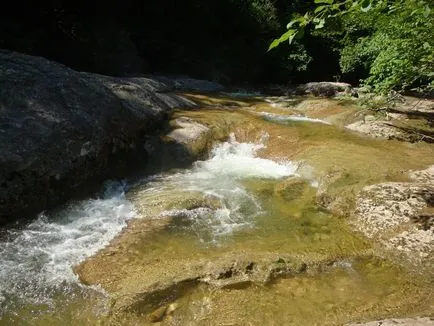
(285,118)
(238,160)
(36,261)
(219,177)
(235,204)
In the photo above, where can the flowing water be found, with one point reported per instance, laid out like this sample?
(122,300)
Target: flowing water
(252,201)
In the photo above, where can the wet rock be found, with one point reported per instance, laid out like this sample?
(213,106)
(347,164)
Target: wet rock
(224,272)
(327,89)
(162,312)
(291,188)
(152,205)
(233,272)
(61,129)
(378,128)
(183,83)
(418,321)
(185,142)
(189,140)
(335,200)
(158,314)
(407,119)
(330,110)
(116,264)
(144,285)
(423,176)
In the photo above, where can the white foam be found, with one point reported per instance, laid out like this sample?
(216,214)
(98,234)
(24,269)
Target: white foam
(238,160)
(39,258)
(36,262)
(283,118)
(219,177)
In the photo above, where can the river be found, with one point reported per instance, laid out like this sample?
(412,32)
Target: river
(236,239)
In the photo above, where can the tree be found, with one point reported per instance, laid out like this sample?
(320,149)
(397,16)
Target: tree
(392,40)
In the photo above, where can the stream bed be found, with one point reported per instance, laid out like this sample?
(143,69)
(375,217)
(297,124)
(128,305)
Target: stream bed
(239,238)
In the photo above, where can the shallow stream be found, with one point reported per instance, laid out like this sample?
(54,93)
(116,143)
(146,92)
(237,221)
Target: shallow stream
(249,211)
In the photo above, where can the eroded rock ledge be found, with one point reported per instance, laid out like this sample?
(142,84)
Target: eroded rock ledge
(400,215)
(61,129)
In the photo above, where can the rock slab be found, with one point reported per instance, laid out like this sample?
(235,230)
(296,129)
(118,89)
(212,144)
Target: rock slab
(60,129)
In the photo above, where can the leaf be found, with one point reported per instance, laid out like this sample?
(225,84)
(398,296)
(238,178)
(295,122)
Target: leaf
(291,38)
(298,20)
(299,34)
(274,44)
(365,5)
(289,35)
(427,11)
(337,6)
(324,1)
(291,23)
(320,24)
(320,8)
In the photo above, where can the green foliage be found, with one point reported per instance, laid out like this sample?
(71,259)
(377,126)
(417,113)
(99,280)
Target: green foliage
(265,13)
(381,104)
(392,40)
(398,49)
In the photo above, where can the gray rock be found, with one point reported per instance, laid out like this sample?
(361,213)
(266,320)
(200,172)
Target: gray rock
(327,89)
(189,84)
(400,216)
(61,129)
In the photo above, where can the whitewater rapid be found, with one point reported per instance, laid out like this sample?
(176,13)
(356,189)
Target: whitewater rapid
(36,261)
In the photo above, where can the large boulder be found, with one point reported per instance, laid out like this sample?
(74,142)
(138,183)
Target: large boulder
(61,130)
(327,89)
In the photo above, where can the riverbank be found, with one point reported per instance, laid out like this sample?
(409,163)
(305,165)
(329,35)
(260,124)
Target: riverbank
(63,132)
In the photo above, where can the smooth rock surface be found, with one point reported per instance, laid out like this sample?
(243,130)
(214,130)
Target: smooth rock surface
(61,130)
(327,89)
(409,119)
(195,139)
(377,129)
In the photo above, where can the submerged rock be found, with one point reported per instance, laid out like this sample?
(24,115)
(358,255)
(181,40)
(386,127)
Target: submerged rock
(418,321)
(162,312)
(151,205)
(61,129)
(291,188)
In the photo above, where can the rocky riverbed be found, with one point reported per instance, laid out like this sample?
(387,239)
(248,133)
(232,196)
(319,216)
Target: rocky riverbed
(261,210)
(291,238)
